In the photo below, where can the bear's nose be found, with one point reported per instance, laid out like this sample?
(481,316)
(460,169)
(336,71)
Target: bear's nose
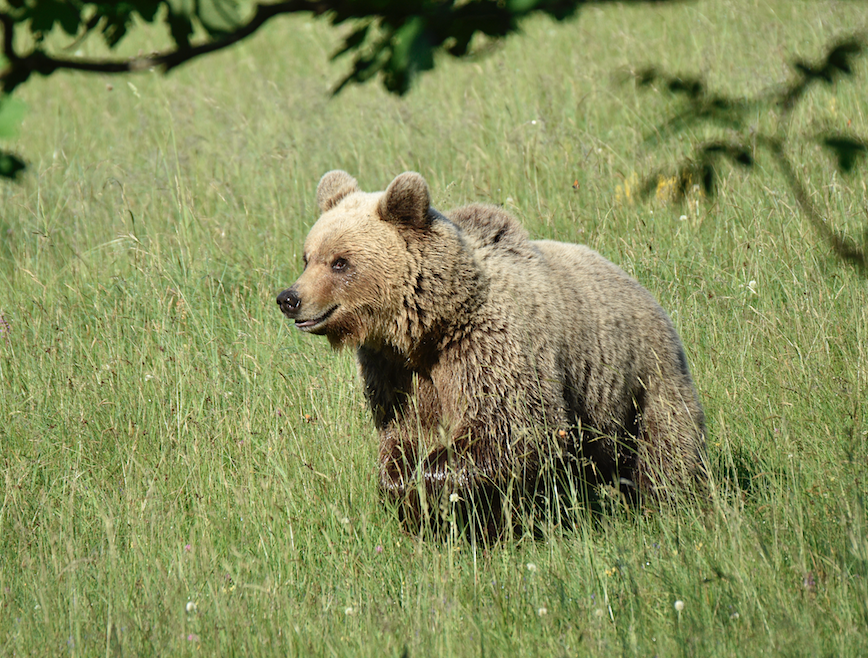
(288,301)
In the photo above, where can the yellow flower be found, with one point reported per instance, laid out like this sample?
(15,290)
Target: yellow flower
(665,189)
(625,191)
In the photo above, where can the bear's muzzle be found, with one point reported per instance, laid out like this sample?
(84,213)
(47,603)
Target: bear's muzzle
(289,302)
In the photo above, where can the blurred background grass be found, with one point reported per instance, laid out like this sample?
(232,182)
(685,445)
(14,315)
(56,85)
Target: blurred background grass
(186,474)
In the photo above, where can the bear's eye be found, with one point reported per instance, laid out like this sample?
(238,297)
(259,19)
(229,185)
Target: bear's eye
(339,264)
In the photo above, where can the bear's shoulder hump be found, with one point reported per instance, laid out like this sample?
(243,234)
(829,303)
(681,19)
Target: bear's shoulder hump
(489,225)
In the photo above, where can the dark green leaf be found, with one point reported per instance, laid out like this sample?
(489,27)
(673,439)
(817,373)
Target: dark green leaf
(354,40)
(219,16)
(814,72)
(42,16)
(521,6)
(839,57)
(714,148)
(743,157)
(181,28)
(460,44)
(114,29)
(10,165)
(364,67)
(147,9)
(736,152)
(646,77)
(561,9)
(692,88)
(847,150)
(837,62)
(412,52)
(708,178)
(45,13)
(69,17)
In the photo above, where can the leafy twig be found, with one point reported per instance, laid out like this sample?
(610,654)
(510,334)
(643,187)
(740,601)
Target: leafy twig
(698,105)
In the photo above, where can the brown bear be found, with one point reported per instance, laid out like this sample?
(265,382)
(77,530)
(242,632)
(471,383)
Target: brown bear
(494,364)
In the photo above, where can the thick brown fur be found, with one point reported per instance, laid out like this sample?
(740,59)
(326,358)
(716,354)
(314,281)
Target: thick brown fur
(490,361)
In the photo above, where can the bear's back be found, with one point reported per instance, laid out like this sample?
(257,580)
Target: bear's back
(582,272)
(545,283)
(598,296)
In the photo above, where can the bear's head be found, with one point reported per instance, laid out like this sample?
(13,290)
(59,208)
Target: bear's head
(358,258)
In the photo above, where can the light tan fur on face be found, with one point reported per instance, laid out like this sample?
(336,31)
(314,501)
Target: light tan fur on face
(350,230)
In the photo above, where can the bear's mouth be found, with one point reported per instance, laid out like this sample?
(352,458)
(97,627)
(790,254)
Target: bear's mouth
(313,323)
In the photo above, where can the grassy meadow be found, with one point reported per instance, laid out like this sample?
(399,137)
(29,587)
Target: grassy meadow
(184,473)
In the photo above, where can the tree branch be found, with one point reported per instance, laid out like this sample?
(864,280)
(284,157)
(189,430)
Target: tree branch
(845,248)
(19,68)
(263,14)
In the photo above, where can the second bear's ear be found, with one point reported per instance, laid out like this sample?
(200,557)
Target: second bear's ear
(333,187)
(406,201)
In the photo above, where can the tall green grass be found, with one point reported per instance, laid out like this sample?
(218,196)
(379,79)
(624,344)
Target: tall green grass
(185,474)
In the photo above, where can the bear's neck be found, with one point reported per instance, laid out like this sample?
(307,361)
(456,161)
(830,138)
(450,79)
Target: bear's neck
(444,287)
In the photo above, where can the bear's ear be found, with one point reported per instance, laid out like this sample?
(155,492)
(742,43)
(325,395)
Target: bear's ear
(406,201)
(333,187)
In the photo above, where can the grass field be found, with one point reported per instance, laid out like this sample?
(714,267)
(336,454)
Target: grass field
(183,473)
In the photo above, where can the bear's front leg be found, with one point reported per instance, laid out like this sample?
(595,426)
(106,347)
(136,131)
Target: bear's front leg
(446,468)
(397,463)
(454,483)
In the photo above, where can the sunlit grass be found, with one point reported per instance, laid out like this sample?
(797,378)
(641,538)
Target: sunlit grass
(168,439)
